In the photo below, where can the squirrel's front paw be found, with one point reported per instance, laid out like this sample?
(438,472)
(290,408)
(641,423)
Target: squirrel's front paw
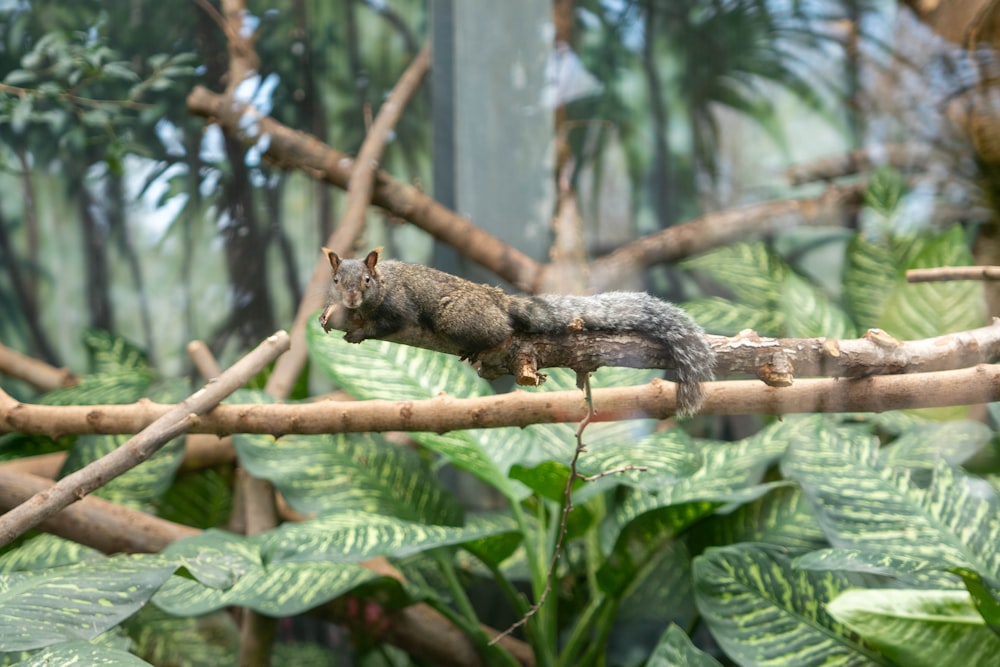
(355,336)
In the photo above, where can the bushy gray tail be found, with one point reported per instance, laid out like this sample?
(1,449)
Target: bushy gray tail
(622,312)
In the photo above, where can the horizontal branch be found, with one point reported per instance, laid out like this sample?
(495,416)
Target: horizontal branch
(948,273)
(875,353)
(980,384)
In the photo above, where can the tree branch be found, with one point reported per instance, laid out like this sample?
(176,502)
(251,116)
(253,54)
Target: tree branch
(720,227)
(949,273)
(291,148)
(173,422)
(33,371)
(979,384)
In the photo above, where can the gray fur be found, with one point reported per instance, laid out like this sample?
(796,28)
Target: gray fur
(384,297)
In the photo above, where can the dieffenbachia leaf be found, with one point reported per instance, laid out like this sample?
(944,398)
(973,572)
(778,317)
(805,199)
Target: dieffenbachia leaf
(919,628)
(763,611)
(79,601)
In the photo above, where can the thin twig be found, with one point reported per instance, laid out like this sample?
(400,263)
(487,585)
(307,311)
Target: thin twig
(567,507)
(948,273)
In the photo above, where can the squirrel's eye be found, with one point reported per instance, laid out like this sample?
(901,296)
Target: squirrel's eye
(368,279)
(336,278)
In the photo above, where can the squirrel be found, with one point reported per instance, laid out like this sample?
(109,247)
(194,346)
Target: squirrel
(383,297)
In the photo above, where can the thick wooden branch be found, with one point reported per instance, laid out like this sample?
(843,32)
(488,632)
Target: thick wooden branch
(292,148)
(173,422)
(980,384)
(33,371)
(93,521)
(720,227)
(875,353)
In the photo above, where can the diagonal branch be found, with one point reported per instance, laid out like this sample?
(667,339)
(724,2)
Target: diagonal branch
(174,421)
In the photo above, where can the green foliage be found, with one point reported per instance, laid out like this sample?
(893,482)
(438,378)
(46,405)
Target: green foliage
(773,298)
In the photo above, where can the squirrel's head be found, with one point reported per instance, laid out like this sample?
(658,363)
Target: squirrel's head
(352,278)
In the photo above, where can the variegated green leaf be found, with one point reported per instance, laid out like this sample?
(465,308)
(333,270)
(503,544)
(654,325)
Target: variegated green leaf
(215,558)
(165,639)
(781,517)
(380,370)
(230,570)
(81,601)
(923,445)
(919,628)
(348,472)
(357,536)
(139,487)
(916,572)
(923,310)
(675,649)
(280,589)
(864,504)
(762,611)
(119,387)
(809,312)
(749,270)
(110,353)
(871,273)
(725,317)
(389,371)
(45,551)
(75,653)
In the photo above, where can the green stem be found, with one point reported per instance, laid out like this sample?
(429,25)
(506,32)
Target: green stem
(580,634)
(455,587)
(605,622)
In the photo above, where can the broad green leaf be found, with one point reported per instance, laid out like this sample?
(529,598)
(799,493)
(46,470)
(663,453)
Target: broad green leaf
(81,601)
(380,370)
(201,499)
(215,558)
(230,570)
(75,653)
(725,317)
(120,387)
(762,611)
(358,536)
(781,517)
(45,551)
(809,312)
(928,442)
(348,472)
(164,639)
(985,593)
(110,353)
(749,270)
(389,371)
(139,487)
(864,504)
(919,627)
(281,589)
(914,571)
(675,649)
(924,310)
(870,276)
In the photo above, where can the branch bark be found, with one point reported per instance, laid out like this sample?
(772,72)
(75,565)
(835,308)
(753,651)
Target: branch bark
(949,273)
(979,384)
(173,422)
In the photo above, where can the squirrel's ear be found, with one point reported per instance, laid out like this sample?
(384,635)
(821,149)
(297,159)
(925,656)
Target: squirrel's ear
(372,259)
(332,256)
